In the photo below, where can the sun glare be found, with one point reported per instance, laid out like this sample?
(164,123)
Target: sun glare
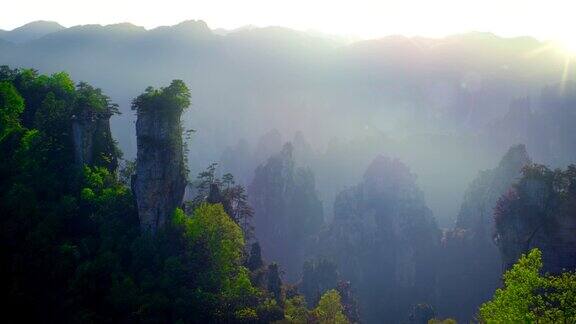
(568,46)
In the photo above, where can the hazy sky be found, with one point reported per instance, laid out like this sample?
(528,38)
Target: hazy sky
(551,19)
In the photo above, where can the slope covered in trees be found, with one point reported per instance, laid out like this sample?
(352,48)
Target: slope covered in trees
(86,236)
(72,246)
(539,212)
(530,297)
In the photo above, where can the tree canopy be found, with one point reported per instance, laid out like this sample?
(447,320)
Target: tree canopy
(174,97)
(529,297)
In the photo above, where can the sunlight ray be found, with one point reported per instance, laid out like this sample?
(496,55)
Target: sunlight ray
(565,74)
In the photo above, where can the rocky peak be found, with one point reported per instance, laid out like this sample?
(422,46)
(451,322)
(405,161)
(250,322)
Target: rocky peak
(539,212)
(381,235)
(483,193)
(514,160)
(287,211)
(160,178)
(476,267)
(91,133)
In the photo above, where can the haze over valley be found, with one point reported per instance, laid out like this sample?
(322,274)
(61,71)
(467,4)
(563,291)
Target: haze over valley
(436,104)
(395,167)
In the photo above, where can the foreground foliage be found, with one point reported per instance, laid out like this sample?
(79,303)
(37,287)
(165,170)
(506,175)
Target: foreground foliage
(328,311)
(529,297)
(71,249)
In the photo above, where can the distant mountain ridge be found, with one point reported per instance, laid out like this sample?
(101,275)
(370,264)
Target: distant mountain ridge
(256,79)
(37,29)
(31,31)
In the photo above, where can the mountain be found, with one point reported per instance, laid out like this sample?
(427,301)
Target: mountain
(538,212)
(382,237)
(476,265)
(287,212)
(31,31)
(281,75)
(427,97)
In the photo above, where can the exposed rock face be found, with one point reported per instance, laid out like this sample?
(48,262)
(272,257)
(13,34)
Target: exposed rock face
(481,197)
(552,114)
(469,273)
(318,276)
(287,211)
(160,178)
(384,240)
(539,212)
(471,266)
(92,138)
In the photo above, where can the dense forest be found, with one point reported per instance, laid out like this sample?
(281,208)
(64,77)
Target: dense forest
(300,184)
(79,246)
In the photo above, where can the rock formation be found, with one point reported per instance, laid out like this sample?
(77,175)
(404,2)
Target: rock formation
(287,211)
(539,212)
(384,240)
(480,199)
(93,143)
(471,266)
(551,114)
(318,276)
(160,178)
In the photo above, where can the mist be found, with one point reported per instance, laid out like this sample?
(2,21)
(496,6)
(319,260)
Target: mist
(306,122)
(425,101)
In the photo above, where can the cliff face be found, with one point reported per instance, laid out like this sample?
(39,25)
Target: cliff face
(473,262)
(160,178)
(539,212)
(287,211)
(384,240)
(552,115)
(92,139)
(481,197)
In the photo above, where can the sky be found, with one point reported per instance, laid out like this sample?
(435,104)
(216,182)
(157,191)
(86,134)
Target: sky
(545,20)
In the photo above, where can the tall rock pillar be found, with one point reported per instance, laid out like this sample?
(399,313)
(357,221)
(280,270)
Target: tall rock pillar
(160,177)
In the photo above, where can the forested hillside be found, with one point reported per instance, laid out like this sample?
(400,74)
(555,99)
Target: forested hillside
(422,100)
(267,175)
(73,246)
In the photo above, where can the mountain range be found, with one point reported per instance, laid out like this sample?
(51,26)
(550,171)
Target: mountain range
(409,92)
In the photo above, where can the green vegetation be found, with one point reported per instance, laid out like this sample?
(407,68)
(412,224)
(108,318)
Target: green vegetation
(70,245)
(175,97)
(225,191)
(65,229)
(529,297)
(444,321)
(296,311)
(329,309)
(12,106)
